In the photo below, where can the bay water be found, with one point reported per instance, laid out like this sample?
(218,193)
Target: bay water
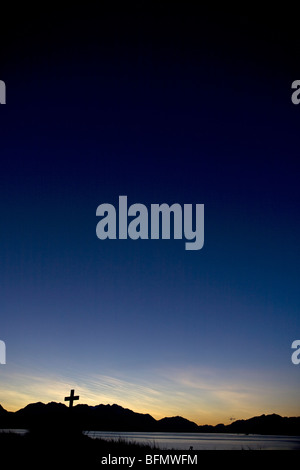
(203,441)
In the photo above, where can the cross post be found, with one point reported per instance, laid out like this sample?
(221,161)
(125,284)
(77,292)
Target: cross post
(71,398)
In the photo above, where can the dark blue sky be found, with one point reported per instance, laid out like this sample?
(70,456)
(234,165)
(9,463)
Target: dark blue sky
(161,107)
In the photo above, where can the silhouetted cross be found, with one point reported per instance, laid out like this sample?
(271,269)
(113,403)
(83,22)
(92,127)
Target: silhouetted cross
(71,398)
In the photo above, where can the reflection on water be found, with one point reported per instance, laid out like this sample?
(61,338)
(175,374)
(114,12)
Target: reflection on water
(199,441)
(15,431)
(202,441)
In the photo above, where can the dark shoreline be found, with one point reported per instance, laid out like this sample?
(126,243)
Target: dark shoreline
(77,449)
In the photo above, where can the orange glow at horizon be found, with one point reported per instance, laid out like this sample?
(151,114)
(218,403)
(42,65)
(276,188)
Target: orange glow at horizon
(202,401)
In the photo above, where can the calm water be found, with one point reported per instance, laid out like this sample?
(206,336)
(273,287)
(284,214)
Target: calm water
(201,441)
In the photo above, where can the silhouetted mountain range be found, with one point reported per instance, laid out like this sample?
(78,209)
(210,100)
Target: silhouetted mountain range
(115,418)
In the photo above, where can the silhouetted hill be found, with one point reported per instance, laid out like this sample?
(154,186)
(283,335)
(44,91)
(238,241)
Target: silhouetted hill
(112,418)
(3,412)
(6,418)
(177,424)
(58,417)
(270,424)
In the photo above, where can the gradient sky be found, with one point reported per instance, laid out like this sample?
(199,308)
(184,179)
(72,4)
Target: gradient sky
(161,106)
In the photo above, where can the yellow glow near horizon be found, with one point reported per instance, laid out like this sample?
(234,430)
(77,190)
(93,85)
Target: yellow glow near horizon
(200,396)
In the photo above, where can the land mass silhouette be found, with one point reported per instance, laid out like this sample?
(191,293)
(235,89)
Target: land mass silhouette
(56,437)
(54,416)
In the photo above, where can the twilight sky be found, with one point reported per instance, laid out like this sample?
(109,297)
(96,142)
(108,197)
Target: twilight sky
(164,107)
